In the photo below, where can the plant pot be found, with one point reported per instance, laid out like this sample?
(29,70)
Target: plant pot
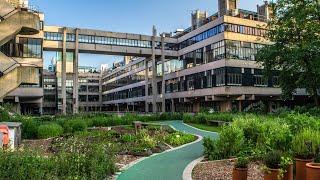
(240,174)
(289,174)
(313,171)
(271,174)
(301,168)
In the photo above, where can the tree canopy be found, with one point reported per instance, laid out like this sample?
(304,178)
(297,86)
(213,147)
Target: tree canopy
(295,50)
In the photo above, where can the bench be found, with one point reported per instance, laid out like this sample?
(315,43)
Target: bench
(218,123)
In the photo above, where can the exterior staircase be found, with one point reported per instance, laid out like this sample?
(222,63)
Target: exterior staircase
(14,21)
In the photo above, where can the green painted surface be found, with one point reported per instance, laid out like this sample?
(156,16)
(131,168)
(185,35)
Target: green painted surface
(169,165)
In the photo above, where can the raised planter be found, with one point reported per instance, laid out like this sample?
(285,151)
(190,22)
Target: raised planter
(301,168)
(240,174)
(272,174)
(313,171)
(289,174)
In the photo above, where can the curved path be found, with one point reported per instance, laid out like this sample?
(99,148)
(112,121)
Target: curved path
(168,165)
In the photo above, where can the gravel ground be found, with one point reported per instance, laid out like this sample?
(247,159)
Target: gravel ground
(222,170)
(123,160)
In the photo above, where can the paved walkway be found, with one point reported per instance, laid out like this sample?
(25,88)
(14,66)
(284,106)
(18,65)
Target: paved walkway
(170,165)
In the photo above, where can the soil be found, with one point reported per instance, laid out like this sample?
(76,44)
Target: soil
(41,145)
(222,170)
(123,160)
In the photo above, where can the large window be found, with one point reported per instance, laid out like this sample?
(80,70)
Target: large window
(222,28)
(30,48)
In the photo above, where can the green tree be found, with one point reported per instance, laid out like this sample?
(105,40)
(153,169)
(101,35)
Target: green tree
(295,50)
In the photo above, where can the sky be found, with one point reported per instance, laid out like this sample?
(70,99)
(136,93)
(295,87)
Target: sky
(131,16)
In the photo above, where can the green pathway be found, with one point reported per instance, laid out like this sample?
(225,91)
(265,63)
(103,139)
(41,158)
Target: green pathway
(170,165)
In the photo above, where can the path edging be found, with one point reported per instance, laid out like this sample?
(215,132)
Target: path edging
(187,172)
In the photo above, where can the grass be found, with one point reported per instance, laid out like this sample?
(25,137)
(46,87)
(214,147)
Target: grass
(206,127)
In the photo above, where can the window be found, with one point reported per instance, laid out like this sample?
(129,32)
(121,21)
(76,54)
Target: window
(30,48)
(71,37)
(260,81)
(220,77)
(93,98)
(234,79)
(53,36)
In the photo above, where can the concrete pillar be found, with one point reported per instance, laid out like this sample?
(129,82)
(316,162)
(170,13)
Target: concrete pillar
(240,106)
(154,71)
(76,74)
(163,89)
(64,72)
(172,106)
(146,85)
(226,106)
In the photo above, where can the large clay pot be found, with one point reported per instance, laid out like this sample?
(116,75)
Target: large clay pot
(240,174)
(313,171)
(301,168)
(271,174)
(289,174)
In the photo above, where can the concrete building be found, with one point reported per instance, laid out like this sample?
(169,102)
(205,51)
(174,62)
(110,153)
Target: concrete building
(90,99)
(211,64)
(21,56)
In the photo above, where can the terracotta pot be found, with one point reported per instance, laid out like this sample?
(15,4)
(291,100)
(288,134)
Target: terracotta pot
(289,174)
(301,168)
(313,171)
(271,174)
(240,174)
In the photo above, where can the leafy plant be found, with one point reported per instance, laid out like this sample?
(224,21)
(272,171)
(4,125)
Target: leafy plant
(305,144)
(242,163)
(49,130)
(178,138)
(272,159)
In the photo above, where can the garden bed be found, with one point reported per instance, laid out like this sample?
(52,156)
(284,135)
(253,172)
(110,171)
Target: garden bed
(222,170)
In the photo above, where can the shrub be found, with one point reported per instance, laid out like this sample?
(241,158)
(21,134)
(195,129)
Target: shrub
(178,139)
(75,125)
(306,143)
(273,159)
(29,128)
(49,130)
(4,114)
(210,149)
(188,118)
(230,143)
(96,162)
(242,163)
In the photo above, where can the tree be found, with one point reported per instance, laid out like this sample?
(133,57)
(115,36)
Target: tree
(295,50)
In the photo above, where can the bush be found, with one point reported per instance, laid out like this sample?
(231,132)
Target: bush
(96,162)
(306,143)
(178,139)
(273,159)
(242,163)
(49,130)
(230,143)
(4,114)
(75,125)
(30,128)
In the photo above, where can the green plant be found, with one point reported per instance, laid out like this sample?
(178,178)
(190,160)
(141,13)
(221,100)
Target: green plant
(272,159)
(285,163)
(305,144)
(128,138)
(242,163)
(49,130)
(178,138)
(75,125)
